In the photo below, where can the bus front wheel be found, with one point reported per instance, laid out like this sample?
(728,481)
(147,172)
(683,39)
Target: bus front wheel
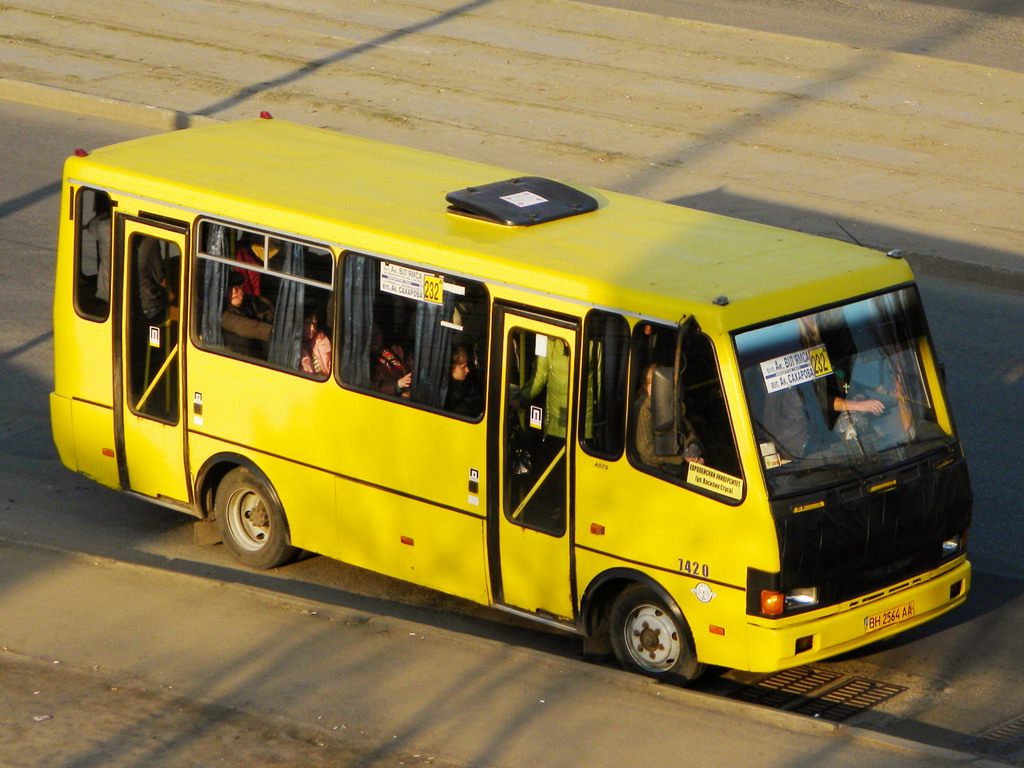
(251,522)
(648,638)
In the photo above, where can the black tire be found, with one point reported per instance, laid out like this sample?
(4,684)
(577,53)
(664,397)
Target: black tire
(650,639)
(251,521)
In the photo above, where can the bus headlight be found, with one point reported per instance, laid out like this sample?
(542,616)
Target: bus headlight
(775,603)
(954,545)
(802,597)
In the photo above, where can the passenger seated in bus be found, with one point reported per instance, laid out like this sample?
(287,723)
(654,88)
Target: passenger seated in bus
(464,396)
(251,251)
(392,373)
(316,348)
(691,449)
(247,320)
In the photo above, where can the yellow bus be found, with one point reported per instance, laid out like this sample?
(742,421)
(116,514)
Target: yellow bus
(691,440)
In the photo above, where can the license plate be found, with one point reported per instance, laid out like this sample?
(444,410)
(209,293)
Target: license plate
(884,619)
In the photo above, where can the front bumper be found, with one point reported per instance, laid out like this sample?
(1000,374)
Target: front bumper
(837,629)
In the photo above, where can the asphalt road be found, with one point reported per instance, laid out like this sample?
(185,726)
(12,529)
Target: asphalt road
(959,674)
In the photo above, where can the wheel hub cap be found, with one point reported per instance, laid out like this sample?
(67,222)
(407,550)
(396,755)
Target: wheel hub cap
(652,638)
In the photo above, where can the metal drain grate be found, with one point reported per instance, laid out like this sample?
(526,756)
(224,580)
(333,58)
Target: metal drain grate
(794,690)
(848,699)
(1005,741)
(783,689)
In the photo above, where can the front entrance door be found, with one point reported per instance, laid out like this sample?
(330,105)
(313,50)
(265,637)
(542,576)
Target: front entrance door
(152,445)
(531,532)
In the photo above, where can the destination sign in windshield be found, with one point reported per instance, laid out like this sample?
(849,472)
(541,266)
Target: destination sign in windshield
(796,368)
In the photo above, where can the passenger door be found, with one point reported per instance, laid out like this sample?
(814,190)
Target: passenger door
(531,512)
(147,381)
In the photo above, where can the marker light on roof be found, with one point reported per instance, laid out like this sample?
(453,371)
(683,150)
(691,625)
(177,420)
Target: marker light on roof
(81,153)
(266,115)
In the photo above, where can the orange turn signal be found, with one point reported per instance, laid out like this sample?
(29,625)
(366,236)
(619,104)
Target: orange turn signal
(772,603)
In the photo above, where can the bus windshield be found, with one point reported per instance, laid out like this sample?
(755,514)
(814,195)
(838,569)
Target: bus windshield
(838,394)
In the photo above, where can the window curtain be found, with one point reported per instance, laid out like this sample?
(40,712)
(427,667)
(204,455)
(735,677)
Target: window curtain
(433,351)
(286,340)
(359,287)
(214,287)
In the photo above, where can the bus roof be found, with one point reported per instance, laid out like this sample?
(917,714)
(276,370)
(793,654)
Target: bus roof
(640,256)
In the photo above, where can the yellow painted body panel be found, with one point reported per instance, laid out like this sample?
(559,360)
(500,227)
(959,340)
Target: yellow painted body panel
(84,435)
(95,441)
(345,466)
(726,607)
(347,433)
(63,431)
(679,525)
(306,493)
(412,540)
(77,366)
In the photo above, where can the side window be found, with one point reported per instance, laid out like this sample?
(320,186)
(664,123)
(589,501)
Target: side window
(92,254)
(679,425)
(605,369)
(265,299)
(414,335)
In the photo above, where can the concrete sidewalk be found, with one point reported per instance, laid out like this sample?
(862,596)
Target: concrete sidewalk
(111,664)
(902,151)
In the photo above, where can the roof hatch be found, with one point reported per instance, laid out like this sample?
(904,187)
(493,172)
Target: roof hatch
(520,202)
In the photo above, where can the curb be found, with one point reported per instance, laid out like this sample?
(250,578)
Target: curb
(145,115)
(791,722)
(988,275)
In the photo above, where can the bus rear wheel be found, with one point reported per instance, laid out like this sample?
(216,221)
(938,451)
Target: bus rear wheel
(649,639)
(251,522)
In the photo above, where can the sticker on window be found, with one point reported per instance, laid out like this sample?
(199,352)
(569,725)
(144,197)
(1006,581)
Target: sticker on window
(713,480)
(770,455)
(536,417)
(796,368)
(411,283)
